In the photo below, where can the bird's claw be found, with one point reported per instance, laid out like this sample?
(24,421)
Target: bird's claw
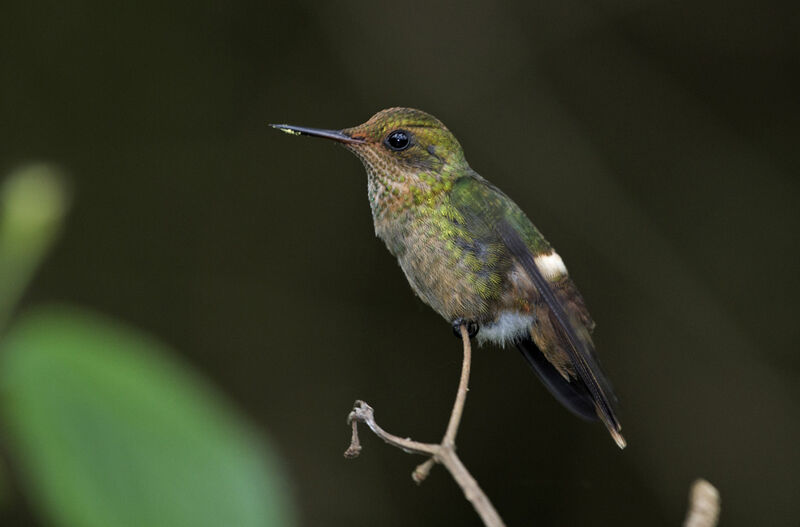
(472,327)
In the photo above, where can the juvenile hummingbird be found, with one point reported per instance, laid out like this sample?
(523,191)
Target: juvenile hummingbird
(470,253)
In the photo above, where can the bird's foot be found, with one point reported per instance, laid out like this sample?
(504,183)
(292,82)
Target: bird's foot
(472,327)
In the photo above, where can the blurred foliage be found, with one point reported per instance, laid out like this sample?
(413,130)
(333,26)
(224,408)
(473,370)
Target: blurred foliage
(32,205)
(103,424)
(110,430)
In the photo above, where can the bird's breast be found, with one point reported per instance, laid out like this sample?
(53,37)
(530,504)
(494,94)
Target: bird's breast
(457,275)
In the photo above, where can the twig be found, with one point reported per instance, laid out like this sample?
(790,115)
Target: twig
(703,505)
(461,394)
(444,452)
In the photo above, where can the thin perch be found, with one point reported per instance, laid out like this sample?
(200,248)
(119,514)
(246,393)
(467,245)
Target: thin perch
(443,453)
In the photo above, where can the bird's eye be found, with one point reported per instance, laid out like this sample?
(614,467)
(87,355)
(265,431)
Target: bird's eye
(398,140)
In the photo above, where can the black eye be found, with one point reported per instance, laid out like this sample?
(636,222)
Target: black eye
(398,140)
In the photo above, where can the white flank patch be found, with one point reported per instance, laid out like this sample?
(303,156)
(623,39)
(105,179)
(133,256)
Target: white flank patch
(508,327)
(551,265)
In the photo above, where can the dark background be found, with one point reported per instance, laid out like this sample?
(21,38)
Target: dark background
(654,143)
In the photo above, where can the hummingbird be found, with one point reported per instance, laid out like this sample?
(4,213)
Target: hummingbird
(470,253)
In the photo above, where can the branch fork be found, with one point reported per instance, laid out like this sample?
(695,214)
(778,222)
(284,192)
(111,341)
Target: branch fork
(704,500)
(443,453)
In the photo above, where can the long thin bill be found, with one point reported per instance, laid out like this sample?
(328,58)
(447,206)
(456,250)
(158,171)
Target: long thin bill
(336,135)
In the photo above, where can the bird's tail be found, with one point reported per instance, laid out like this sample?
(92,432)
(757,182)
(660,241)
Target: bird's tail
(573,393)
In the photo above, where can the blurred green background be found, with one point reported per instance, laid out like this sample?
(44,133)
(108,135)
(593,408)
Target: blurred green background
(654,143)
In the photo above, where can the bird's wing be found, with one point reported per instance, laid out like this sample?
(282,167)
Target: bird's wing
(490,213)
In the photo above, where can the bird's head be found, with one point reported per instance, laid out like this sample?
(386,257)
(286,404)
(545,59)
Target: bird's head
(399,145)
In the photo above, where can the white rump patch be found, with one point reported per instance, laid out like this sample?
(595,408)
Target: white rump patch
(551,265)
(508,327)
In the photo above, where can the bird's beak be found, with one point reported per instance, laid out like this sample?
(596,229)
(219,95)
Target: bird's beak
(336,135)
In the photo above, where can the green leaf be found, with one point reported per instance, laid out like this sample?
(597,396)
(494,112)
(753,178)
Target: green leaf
(33,202)
(110,429)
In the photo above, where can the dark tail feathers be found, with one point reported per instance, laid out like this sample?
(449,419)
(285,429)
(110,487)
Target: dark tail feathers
(574,395)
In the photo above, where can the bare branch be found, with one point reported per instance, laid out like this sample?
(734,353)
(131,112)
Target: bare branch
(703,505)
(362,412)
(461,394)
(422,471)
(355,445)
(703,498)
(443,453)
